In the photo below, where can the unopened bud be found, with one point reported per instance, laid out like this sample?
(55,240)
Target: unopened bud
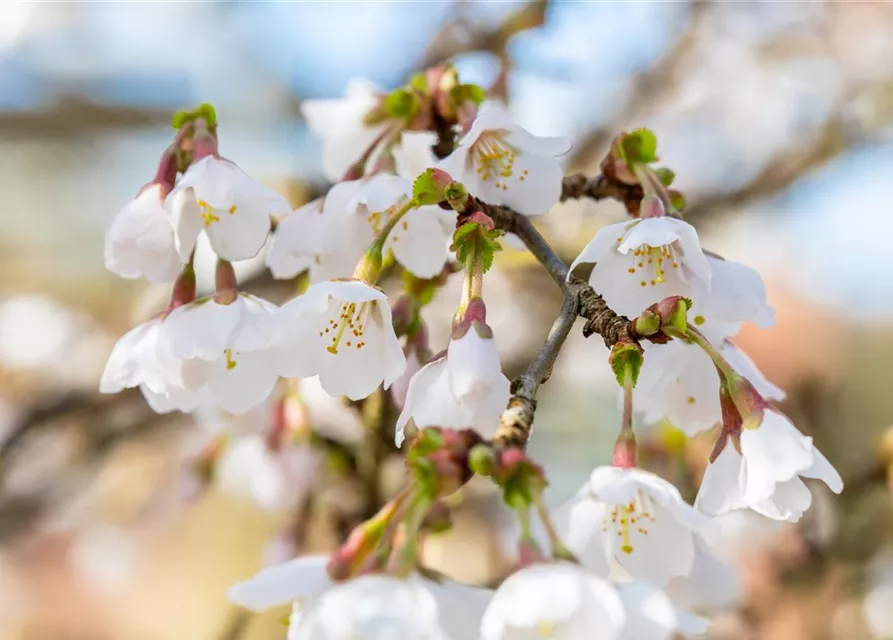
(647,324)
(482,460)
(673,313)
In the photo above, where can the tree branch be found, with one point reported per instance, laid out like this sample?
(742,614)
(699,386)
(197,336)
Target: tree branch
(580,299)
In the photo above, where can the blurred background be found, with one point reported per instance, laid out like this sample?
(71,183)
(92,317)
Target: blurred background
(117,524)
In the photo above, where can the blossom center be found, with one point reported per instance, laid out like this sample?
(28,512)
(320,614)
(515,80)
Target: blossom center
(377,219)
(207,213)
(349,327)
(650,264)
(495,160)
(545,628)
(629,520)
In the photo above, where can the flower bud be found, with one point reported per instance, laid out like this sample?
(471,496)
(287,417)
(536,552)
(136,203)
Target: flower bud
(747,400)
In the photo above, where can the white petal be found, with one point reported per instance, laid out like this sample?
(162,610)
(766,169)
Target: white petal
(774,452)
(200,330)
(602,244)
(578,522)
(239,235)
(788,501)
(530,194)
(715,582)
(413,155)
(720,492)
(822,470)
(123,369)
(419,243)
(186,220)
(473,365)
(301,578)
(738,293)
(429,402)
(244,381)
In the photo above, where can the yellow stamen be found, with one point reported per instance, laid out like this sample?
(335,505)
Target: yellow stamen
(230,363)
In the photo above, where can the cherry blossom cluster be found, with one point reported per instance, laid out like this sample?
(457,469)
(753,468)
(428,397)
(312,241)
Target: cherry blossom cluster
(425,177)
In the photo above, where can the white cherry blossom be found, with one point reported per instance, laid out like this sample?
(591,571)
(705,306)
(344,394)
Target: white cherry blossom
(419,241)
(137,361)
(222,348)
(233,209)
(342,332)
(432,401)
(502,163)
(302,580)
(400,388)
(140,240)
(559,601)
(634,518)
(405,607)
(299,241)
(679,382)
(652,615)
(641,262)
(766,475)
(342,124)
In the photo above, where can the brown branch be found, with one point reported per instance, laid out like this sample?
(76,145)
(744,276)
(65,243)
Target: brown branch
(580,299)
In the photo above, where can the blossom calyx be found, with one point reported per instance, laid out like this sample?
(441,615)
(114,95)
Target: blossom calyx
(473,316)
(748,402)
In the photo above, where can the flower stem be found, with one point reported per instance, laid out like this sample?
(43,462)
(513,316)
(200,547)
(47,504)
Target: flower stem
(474,273)
(369,266)
(625,450)
(722,366)
(557,546)
(405,557)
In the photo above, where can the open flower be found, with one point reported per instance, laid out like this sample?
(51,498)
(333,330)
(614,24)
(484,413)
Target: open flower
(299,241)
(221,347)
(419,241)
(140,240)
(341,331)
(641,262)
(231,207)
(634,518)
(560,601)
(431,401)
(502,163)
(679,383)
(403,607)
(136,361)
(766,474)
(345,127)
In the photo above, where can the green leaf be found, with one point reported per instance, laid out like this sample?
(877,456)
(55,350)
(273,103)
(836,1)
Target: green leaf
(626,361)
(640,146)
(401,104)
(665,175)
(488,253)
(462,232)
(426,190)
